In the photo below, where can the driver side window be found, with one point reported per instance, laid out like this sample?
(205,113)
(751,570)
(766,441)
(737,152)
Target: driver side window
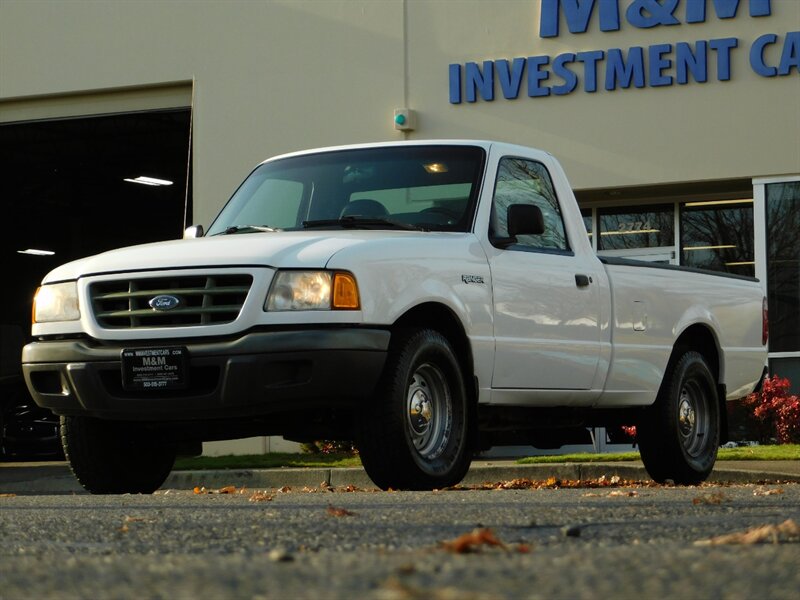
(522,181)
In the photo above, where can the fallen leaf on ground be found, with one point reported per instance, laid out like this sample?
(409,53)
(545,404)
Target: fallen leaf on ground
(714,498)
(626,493)
(228,489)
(284,490)
(613,480)
(470,542)
(766,492)
(7,495)
(260,497)
(554,483)
(515,484)
(339,512)
(788,530)
(129,519)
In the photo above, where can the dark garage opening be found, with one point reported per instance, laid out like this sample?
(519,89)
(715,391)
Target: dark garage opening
(63,190)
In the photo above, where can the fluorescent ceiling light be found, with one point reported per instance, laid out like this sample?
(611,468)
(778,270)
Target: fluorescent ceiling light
(739,264)
(35,252)
(719,202)
(630,232)
(149,181)
(708,247)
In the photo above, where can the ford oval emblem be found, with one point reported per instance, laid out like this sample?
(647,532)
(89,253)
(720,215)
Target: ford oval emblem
(164,302)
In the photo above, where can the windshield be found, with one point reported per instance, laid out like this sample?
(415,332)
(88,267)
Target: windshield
(396,187)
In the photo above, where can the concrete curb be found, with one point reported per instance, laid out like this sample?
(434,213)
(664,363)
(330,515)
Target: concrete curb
(50,479)
(57,478)
(478,474)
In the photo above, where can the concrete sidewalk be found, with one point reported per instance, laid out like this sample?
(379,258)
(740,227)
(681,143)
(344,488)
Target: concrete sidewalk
(56,478)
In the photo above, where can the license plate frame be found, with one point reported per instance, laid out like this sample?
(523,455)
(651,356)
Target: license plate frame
(154,369)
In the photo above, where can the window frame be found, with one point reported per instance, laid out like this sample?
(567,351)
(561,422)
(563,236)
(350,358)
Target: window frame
(497,242)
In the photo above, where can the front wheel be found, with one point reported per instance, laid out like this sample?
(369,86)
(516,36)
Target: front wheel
(414,435)
(679,435)
(112,457)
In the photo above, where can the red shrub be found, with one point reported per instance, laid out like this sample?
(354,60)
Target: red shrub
(776,410)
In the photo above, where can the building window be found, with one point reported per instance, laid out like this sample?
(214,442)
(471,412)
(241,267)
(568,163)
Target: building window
(636,227)
(783,266)
(718,235)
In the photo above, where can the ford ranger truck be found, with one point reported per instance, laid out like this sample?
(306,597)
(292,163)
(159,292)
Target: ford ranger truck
(425,299)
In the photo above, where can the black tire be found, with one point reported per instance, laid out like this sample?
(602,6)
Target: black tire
(110,457)
(414,434)
(679,435)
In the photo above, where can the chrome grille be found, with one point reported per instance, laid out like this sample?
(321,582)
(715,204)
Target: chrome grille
(204,300)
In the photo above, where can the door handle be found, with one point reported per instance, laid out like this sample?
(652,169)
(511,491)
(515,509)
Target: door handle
(582,280)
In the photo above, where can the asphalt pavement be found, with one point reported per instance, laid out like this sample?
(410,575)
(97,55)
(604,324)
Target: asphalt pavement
(56,478)
(737,542)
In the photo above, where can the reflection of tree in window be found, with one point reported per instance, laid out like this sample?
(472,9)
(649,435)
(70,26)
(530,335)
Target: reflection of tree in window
(636,228)
(527,182)
(783,266)
(718,237)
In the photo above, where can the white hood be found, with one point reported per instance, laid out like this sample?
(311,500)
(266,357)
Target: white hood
(293,250)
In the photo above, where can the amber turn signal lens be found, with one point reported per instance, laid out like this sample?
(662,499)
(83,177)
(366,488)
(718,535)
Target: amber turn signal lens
(33,306)
(345,292)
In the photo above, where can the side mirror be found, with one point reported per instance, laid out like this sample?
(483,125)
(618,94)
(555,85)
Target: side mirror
(195,231)
(525,219)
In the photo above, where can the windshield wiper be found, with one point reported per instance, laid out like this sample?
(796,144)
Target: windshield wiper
(356,222)
(246,229)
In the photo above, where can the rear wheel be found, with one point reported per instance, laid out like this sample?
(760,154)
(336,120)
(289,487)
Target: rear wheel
(679,435)
(111,457)
(414,433)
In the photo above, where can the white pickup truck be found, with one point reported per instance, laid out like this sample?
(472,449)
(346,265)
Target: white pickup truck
(425,299)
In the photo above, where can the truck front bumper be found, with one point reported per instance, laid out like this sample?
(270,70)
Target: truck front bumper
(259,373)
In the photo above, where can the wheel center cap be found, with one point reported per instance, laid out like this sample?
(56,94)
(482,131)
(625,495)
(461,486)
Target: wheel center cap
(686,417)
(421,411)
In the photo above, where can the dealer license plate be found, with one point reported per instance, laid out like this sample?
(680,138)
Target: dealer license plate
(154,368)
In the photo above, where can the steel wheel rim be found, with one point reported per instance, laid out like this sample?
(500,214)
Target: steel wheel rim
(429,411)
(694,419)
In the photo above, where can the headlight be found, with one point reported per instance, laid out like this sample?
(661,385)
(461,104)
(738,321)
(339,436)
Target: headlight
(312,290)
(56,302)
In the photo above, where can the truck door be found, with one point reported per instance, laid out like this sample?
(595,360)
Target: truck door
(547,309)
